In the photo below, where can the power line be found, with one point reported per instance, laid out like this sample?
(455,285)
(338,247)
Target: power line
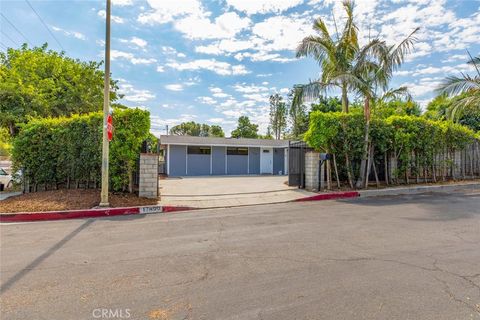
(16,29)
(8,37)
(2,45)
(45,25)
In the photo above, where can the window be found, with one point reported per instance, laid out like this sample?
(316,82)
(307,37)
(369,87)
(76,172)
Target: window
(231,151)
(198,150)
(3,173)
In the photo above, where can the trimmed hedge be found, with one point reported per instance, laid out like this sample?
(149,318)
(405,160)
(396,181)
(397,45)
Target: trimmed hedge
(406,143)
(67,151)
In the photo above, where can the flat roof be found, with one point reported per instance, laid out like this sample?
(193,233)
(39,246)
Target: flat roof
(213,141)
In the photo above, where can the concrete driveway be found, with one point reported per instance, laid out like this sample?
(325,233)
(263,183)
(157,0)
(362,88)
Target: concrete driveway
(414,257)
(226,191)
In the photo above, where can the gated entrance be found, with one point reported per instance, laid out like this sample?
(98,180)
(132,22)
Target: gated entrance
(296,163)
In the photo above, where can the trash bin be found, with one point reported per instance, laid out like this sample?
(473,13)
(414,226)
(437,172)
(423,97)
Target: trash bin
(2,186)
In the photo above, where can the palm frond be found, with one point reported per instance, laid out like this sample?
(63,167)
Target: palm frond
(453,85)
(474,60)
(398,93)
(397,53)
(320,26)
(317,47)
(456,111)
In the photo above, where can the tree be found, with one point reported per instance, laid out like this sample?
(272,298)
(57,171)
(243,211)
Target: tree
(373,69)
(298,117)
(245,129)
(43,83)
(278,115)
(327,104)
(216,131)
(192,128)
(438,109)
(334,55)
(466,86)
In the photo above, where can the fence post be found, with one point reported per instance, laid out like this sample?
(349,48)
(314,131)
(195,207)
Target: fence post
(312,171)
(148,184)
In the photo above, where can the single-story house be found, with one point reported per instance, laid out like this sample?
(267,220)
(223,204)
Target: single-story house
(202,156)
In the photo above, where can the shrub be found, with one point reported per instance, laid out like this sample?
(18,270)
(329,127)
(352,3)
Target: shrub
(402,138)
(56,151)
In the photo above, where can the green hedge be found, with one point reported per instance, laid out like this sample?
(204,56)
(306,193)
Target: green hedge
(67,151)
(396,137)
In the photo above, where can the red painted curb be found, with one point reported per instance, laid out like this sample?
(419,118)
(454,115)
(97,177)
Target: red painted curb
(330,196)
(87,213)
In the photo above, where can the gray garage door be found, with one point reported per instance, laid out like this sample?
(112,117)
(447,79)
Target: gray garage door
(237,161)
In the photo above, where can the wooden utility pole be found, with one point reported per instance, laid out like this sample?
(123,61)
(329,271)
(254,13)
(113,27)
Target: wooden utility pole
(106,104)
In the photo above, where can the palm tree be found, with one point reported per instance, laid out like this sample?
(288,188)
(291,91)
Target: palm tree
(335,56)
(466,85)
(373,69)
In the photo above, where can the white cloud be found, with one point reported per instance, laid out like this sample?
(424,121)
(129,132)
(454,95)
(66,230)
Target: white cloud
(224,46)
(138,42)
(243,88)
(67,33)
(221,68)
(117,54)
(116,19)
(122,3)
(132,94)
(207,100)
(263,56)
(174,87)
(281,32)
(263,6)
(160,69)
(226,25)
(166,11)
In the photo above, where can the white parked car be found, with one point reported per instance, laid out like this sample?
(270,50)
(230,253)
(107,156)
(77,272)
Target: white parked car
(6,178)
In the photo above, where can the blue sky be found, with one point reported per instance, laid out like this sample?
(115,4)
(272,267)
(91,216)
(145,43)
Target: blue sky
(213,61)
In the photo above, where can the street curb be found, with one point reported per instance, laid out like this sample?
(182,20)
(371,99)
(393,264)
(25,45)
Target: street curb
(418,190)
(88,213)
(330,196)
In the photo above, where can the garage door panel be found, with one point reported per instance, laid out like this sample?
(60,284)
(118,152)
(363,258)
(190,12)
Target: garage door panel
(237,164)
(198,165)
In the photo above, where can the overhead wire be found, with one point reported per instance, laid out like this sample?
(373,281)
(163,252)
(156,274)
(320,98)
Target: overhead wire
(15,28)
(8,37)
(44,24)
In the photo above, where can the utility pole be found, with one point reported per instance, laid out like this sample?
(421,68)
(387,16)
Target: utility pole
(106,104)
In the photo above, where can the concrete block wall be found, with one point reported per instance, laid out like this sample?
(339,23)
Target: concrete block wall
(311,170)
(148,184)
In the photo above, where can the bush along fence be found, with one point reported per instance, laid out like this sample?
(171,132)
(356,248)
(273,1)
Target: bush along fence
(401,149)
(64,152)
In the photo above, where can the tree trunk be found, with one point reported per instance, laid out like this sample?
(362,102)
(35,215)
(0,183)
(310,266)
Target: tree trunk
(344,98)
(336,171)
(369,162)
(365,155)
(130,180)
(11,127)
(349,172)
(385,156)
(329,176)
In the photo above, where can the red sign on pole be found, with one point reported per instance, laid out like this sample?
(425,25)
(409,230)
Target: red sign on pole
(109,127)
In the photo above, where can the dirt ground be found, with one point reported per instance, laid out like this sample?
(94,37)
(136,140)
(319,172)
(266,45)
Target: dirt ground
(68,200)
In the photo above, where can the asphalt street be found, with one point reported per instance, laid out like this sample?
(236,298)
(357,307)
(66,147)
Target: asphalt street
(415,257)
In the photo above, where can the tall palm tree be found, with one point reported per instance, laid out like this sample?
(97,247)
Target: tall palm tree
(373,68)
(465,84)
(334,55)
